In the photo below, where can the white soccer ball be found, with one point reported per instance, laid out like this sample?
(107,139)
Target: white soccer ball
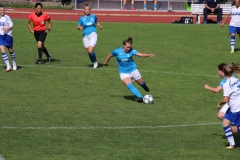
(148,99)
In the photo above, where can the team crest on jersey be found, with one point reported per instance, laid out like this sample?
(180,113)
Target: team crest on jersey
(42,22)
(2,24)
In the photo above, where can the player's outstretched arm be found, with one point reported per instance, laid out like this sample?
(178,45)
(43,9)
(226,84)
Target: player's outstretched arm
(144,55)
(107,59)
(215,90)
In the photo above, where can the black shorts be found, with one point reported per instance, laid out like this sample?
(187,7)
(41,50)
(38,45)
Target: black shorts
(40,35)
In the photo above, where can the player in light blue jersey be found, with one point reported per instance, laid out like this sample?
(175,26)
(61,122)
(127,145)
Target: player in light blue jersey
(234,26)
(223,110)
(217,89)
(127,68)
(231,96)
(88,23)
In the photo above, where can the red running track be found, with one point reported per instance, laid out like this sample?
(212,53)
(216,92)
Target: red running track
(137,16)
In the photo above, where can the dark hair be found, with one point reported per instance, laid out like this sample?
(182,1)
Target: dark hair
(229,70)
(1,6)
(38,4)
(221,66)
(129,40)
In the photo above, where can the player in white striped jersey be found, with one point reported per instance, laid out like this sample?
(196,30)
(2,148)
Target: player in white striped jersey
(234,26)
(231,96)
(9,41)
(6,39)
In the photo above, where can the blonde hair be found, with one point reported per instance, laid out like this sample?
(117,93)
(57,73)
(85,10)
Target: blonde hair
(87,5)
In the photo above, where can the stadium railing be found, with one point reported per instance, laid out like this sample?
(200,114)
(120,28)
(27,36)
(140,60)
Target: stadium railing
(117,4)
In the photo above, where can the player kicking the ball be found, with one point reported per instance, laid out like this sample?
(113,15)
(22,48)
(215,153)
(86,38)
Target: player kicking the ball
(127,68)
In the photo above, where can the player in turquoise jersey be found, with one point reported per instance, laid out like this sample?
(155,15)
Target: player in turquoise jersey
(88,23)
(223,110)
(127,68)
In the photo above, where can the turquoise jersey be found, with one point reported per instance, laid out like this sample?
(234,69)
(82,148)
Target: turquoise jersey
(88,23)
(124,59)
(223,81)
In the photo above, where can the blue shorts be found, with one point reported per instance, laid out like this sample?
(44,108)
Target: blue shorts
(9,41)
(234,118)
(2,40)
(233,29)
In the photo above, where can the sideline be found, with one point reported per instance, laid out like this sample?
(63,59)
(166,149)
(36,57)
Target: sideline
(113,69)
(110,127)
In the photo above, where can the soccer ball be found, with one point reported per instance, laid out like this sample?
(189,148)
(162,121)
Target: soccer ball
(148,99)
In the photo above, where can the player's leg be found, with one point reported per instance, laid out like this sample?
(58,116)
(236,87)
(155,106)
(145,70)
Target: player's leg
(5,58)
(232,31)
(4,55)
(223,111)
(145,4)
(126,79)
(90,43)
(44,49)
(138,78)
(42,38)
(228,130)
(9,45)
(39,46)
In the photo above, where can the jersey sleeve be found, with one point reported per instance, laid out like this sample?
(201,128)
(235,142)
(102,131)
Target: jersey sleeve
(134,52)
(9,22)
(47,17)
(96,19)
(222,82)
(114,52)
(230,10)
(30,17)
(80,23)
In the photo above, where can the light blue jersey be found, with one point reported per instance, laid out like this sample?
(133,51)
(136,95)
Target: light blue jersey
(88,24)
(223,81)
(124,59)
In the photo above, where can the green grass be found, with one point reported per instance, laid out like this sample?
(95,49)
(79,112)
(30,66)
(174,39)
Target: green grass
(99,116)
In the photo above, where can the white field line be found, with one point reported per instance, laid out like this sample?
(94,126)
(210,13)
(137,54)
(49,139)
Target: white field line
(1,158)
(109,69)
(110,127)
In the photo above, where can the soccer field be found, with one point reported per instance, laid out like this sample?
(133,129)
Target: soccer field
(65,110)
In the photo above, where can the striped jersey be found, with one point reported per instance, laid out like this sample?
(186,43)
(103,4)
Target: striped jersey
(235,14)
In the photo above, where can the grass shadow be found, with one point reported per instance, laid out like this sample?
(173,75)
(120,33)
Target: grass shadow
(52,60)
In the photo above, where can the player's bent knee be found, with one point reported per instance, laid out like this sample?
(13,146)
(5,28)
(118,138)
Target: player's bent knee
(221,115)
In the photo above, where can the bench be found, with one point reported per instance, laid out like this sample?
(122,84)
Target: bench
(197,9)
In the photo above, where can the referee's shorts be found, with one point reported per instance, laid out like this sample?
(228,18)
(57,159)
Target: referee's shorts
(40,35)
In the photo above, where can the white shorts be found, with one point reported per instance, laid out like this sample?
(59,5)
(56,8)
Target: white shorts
(90,40)
(224,108)
(135,75)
